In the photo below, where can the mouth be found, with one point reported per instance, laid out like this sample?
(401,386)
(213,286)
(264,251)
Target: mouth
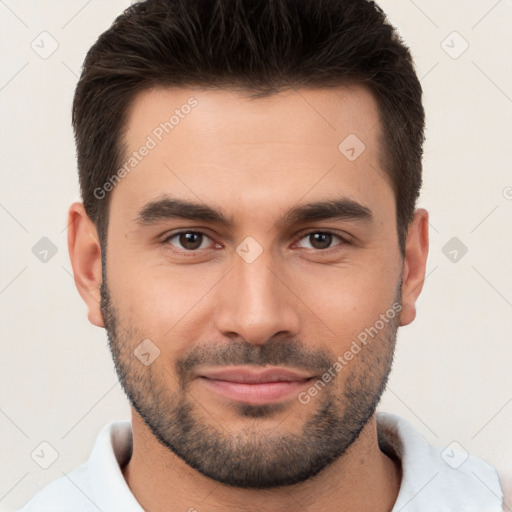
(253,386)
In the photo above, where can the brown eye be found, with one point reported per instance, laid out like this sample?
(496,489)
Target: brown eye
(321,240)
(187,240)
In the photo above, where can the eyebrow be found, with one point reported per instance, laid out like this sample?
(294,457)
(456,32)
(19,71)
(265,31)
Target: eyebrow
(167,208)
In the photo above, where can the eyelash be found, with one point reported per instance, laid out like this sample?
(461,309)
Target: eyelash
(194,252)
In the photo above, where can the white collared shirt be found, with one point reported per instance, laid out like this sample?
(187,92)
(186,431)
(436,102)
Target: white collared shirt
(433,480)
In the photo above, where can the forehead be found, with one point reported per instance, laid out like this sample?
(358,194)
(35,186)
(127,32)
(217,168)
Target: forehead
(318,116)
(221,146)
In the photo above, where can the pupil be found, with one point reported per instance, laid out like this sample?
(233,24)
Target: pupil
(323,238)
(187,240)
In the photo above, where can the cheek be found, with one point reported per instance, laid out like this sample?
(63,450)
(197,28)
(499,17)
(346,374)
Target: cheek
(346,300)
(160,302)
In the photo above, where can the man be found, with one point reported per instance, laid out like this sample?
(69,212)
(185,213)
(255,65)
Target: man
(250,241)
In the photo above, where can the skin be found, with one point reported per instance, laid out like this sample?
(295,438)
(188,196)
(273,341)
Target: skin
(255,159)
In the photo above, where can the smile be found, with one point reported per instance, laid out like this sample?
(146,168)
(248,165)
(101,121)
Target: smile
(255,387)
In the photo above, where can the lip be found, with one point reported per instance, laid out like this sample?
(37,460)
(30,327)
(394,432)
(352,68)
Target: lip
(255,386)
(243,374)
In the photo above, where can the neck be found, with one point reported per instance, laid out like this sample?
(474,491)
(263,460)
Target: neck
(364,478)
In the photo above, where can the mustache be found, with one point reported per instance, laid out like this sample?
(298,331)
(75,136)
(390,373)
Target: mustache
(275,353)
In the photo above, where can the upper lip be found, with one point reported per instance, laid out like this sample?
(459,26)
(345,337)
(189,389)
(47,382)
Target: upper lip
(252,375)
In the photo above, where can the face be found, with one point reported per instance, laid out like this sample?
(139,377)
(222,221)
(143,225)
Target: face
(250,258)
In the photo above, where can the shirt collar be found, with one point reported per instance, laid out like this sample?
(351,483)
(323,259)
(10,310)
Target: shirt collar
(427,479)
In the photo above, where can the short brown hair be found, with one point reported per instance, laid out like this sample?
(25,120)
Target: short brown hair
(258,46)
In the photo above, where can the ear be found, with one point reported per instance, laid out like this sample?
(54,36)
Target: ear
(415,262)
(85,253)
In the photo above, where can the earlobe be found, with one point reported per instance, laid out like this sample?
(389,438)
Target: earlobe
(85,254)
(415,262)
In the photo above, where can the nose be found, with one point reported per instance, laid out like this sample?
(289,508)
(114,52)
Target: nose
(256,303)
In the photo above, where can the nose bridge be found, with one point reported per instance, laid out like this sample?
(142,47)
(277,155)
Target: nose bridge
(255,303)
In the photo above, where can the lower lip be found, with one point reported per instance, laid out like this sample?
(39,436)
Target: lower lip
(255,393)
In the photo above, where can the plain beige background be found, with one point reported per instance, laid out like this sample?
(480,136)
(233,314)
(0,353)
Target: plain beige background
(452,377)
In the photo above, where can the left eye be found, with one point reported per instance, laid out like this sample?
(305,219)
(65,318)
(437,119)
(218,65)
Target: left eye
(321,239)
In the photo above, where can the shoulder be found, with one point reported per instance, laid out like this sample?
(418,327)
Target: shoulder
(69,492)
(98,484)
(448,478)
